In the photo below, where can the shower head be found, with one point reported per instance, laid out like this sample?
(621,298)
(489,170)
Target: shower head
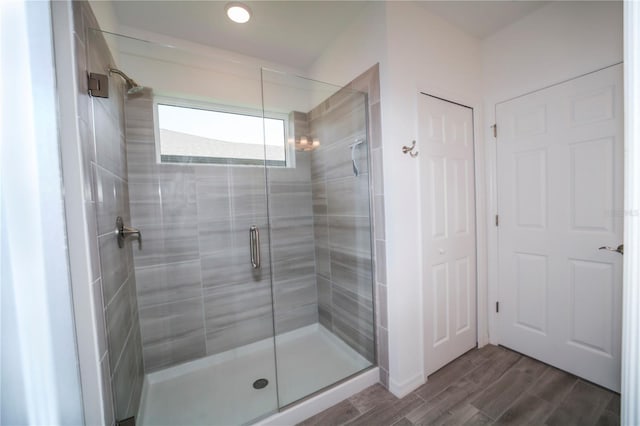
(132,86)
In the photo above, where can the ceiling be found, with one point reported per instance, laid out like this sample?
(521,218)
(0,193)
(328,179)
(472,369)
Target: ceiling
(292,33)
(482,18)
(295,33)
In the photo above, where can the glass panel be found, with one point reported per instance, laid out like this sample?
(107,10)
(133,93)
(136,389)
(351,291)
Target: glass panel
(321,257)
(202,311)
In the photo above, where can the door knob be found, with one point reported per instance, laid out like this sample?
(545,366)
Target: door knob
(619,249)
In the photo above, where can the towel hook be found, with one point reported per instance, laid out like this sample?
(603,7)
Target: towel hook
(409,150)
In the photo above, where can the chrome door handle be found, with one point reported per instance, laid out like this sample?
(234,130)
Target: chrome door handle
(619,249)
(254,246)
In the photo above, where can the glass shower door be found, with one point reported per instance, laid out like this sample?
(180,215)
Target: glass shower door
(319,217)
(189,313)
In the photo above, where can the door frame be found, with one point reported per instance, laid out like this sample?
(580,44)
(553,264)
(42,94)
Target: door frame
(481,211)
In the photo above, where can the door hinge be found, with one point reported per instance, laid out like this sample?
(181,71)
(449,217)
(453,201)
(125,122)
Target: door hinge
(497,220)
(497,307)
(98,85)
(495,130)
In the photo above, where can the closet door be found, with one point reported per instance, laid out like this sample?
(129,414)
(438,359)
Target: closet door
(448,230)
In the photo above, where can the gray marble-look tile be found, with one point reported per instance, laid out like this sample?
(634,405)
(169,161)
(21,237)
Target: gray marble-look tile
(379,217)
(381,300)
(324,317)
(98,308)
(215,235)
(171,320)
(248,192)
(145,203)
(318,169)
(239,334)
(109,196)
(121,380)
(297,291)
(114,264)
(375,125)
(352,271)
(88,157)
(294,317)
(339,157)
(110,146)
(78,21)
(119,322)
(349,233)
(377,172)
(178,195)
(173,351)
(92,236)
(319,197)
(353,321)
(348,196)
(168,283)
(368,83)
(107,391)
(227,305)
(136,380)
(139,126)
(323,286)
(294,202)
(214,198)
(232,267)
(142,165)
(381,262)
(172,333)
(384,378)
(383,348)
(323,261)
(300,174)
(167,243)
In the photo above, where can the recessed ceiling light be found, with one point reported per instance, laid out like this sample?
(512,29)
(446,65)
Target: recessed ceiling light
(238,12)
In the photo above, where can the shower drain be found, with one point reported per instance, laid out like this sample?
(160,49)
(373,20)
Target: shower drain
(260,383)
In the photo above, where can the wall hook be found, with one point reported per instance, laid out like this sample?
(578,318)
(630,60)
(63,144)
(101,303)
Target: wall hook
(409,150)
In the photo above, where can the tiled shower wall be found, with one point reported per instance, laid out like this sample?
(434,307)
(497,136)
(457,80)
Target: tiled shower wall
(101,125)
(369,82)
(342,219)
(197,292)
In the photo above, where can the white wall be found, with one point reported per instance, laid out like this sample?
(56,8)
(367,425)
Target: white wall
(417,51)
(39,378)
(559,41)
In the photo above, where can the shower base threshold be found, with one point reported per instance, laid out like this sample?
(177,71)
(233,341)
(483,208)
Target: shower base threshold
(218,390)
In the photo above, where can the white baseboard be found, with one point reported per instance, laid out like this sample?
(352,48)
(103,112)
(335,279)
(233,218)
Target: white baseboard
(405,388)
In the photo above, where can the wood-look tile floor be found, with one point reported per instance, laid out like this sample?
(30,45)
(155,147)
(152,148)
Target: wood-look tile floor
(487,386)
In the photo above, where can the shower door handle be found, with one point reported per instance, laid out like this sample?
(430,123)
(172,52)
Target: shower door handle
(254,246)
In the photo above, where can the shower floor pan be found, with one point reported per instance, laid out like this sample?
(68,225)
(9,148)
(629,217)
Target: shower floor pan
(218,390)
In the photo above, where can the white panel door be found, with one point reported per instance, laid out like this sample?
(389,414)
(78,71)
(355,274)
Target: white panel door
(448,230)
(560,183)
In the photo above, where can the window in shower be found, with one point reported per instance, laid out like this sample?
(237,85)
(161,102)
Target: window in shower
(191,132)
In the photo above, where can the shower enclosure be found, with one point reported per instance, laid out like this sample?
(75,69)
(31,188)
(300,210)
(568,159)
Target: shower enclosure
(251,285)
